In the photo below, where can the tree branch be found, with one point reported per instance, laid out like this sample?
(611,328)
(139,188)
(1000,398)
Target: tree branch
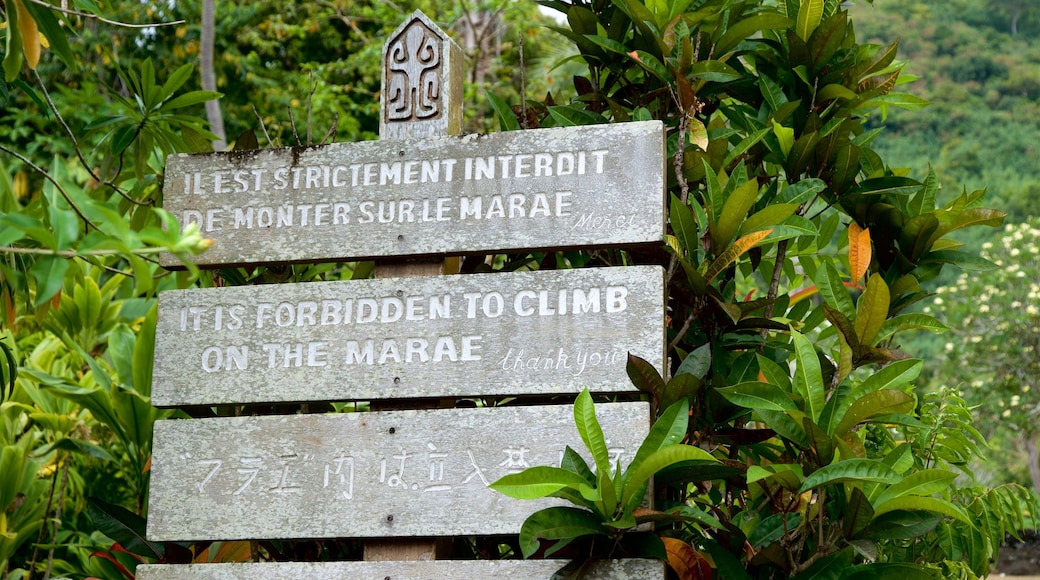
(51,179)
(101,18)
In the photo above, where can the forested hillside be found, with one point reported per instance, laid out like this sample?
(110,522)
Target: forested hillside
(978,63)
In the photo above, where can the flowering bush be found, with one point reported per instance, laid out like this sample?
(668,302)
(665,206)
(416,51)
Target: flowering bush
(992,352)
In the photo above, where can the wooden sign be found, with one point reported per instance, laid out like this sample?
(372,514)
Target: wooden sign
(416,570)
(422,82)
(358,475)
(448,336)
(569,187)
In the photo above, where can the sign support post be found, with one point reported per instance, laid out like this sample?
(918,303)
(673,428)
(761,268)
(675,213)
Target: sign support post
(420,96)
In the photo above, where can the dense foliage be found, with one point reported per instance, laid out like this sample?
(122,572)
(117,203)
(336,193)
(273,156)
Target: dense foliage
(791,441)
(795,254)
(991,353)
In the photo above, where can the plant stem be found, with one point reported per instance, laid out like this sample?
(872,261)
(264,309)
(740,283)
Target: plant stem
(57,515)
(76,254)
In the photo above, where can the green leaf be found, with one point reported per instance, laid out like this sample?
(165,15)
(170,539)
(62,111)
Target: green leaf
(684,225)
(756,395)
(743,146)
(174,82)
(801,191)
(13,52)
(773,94)
(656,461)
(892,185)
(857,470)
(769,216)
(858,513)
(144,354)
(569,116)
(590,431)
(574,462)
(965,260)
(884,402)
(653,65)
(808,377)
(557,523)
(49,273)
(607,489)
(892,376)
(774,373)
(921,483)
(608,43)
(912,321)
(833,289)
(82,447)
(953,221)
(931,504)
(189,99)
(788,425)
(810,13)
(743,28)
(538,482)
(697,363)
(668,429)
(835,91)
(679,387)
(734,211)
(872,310)
(924,200)
(820,441)
(772,528)
(715,71)
(788,475)
(902,100)
(506,119)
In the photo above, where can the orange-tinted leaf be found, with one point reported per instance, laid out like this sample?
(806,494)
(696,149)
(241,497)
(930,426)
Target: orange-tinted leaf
(687,563)
(734,251)
(30,35)
(238,551)
(859,251)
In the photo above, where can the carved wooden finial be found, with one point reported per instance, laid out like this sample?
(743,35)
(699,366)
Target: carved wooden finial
(422,82)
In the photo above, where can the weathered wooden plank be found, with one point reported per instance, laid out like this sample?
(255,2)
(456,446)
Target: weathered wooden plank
(449,336)
(443,569)
(362,475)
(600,185)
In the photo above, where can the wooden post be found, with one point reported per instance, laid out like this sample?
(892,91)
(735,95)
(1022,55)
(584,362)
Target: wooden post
(421,96)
